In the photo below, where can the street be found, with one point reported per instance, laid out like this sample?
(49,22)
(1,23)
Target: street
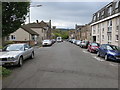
(63,65)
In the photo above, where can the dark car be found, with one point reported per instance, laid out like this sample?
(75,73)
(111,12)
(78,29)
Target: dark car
(109,52)
(93,47)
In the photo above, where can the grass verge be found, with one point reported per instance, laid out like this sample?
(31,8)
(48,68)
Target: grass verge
(4,72)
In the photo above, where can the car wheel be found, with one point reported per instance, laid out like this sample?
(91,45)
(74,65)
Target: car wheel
(20,62)
(106,57)
(98,54)
(32,55)
(90,51)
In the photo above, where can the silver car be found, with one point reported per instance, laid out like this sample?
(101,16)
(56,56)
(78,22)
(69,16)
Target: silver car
(14,54)
(46,43)
(78,42)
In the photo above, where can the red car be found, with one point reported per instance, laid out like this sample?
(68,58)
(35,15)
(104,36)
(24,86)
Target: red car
(93,47)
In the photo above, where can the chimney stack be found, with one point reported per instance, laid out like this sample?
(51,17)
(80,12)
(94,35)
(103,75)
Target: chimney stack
(37,21)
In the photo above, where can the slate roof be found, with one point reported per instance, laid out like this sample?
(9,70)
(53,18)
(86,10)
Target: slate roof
(29,30)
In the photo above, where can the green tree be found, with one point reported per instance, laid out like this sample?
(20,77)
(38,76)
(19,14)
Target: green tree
(61,33)
(13,15)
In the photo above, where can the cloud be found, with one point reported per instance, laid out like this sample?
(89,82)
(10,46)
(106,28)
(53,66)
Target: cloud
(65,14)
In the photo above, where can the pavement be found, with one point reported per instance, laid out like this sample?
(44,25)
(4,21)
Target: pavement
(63,65)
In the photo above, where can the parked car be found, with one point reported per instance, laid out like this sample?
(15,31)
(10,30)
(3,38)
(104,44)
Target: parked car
(78,42)
(93,47)
(84,44)
(46,43)
(14,54)
(73,41)
(108,51)
(53,41)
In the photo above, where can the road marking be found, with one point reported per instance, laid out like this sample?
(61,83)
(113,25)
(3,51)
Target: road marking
(98,59)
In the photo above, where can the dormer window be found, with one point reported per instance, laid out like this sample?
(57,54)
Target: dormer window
(98,15)
(117,4)
(110,10)
(102,14)
(94,18)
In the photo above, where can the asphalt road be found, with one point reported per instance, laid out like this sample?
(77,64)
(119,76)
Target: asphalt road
(63,65)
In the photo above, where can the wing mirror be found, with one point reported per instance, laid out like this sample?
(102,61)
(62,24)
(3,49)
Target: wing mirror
(26,48)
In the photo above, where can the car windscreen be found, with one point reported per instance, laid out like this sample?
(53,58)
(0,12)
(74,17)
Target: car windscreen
(46,40)
(115,47)
(13,48)
(94,44)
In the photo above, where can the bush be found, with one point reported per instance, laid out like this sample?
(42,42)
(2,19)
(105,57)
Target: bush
(8,42)
(1,47)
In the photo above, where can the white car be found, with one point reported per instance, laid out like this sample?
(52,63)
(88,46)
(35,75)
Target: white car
(46,43)
(14,54)
(73,41)
(78,42)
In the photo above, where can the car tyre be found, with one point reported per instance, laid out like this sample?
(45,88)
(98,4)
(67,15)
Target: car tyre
(32,55)
(106,57)
(98,54)
(20,62)
(90,51)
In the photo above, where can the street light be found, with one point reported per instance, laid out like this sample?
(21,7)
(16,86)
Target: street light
(33,6)
(29,17)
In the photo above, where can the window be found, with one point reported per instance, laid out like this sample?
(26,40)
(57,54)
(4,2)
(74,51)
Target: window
(98,15)
(94,29)
(98,37)
(26,46)
(99,28)
(109,48)
(117,24)
(117,37)
(13,37)
(42,30)
(103,30)
(109,25)
(102,27)
(94,18)
(33,38)
(117,4)
(102,14)
(102,37)
(110,10)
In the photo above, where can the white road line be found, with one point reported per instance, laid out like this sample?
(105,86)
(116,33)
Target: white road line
(98,59)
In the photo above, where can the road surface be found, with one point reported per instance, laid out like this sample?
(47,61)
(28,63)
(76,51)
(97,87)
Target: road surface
(63,65)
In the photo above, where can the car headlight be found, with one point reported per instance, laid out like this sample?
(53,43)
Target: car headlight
(11,58)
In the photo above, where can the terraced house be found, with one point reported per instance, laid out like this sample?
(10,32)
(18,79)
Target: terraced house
(106,24)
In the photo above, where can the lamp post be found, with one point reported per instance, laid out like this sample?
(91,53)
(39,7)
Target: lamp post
(33,6)
(29,17)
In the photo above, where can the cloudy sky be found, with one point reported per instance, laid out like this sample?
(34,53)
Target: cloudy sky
(65,14)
